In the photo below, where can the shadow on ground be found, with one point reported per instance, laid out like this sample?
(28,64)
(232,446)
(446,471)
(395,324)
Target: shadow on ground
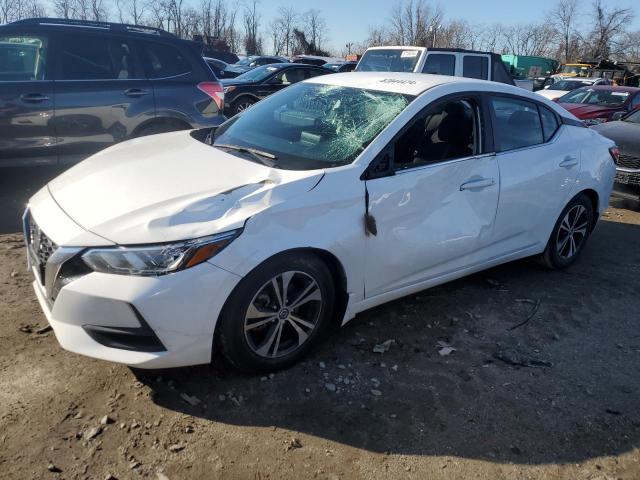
(577,399)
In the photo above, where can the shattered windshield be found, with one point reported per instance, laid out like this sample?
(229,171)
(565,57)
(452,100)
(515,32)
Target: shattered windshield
(309,125)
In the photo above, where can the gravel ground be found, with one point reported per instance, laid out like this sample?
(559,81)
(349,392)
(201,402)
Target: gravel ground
(459,393)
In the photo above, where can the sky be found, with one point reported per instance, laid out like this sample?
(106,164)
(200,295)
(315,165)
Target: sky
(349,20)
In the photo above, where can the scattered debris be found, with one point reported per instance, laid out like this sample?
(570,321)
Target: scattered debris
(612,411)
(529,317)
(191,400)
(375,392)
(26,329)
(45,329)
(161,476)
(92,433)
(330,386)
(292,443)
(14,274)
(176,448)
(110,477)
(106,420)
(445,349)
(52,468)
(134,464)
(322,365)
(383,347)
(512,357)
(188,429)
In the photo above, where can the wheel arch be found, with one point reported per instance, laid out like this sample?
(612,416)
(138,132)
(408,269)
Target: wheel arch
(161,121)
(595,203)
(336,269)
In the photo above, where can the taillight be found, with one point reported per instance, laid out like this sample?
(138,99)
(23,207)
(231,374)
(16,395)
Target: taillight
(615,154)
(215,91)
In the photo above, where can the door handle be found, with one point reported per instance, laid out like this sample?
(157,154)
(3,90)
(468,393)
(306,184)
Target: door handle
(568,162)
(478,184)
(33,97)
(135,92)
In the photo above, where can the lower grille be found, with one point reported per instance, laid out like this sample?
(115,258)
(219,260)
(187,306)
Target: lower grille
(628,178)
(41,247)
(629,161)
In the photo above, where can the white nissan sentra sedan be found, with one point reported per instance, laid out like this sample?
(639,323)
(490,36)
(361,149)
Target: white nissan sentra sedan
(330,197)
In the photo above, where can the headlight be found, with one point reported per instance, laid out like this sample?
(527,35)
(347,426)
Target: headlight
(154,260)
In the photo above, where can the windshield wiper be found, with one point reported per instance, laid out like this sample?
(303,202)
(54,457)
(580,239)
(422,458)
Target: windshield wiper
(255,153)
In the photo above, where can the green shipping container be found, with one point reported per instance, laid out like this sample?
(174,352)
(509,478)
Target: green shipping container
(522,66)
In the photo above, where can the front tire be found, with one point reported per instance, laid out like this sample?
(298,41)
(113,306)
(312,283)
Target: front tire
(570,233)
(277,313)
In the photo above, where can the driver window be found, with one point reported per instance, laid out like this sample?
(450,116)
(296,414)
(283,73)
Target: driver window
(444,132)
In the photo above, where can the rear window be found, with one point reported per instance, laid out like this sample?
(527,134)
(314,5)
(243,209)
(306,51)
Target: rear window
(440,64)
(517,124)
(22,58)
(475,66)
(162,61)
(391,60)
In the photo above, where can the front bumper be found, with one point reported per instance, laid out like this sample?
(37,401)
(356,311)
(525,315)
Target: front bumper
(146,322)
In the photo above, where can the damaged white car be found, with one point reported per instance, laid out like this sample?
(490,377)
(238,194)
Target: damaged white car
(335,195)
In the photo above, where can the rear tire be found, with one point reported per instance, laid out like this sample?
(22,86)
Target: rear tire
(241,104)
(570,234)
(277,313)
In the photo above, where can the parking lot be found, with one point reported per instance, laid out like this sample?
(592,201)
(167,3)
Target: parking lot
(516,372)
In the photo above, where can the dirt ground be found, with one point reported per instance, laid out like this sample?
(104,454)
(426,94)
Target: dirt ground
(555,398)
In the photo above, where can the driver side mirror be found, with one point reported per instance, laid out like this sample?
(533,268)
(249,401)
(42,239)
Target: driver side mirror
(617,116)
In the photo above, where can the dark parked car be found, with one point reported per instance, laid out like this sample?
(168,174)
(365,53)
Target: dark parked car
(341,67)
(253,86)
(219,67)
(71,88)
(249,63)
(601,103)
(626,134)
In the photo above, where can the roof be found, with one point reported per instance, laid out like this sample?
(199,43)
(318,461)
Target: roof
(397,47)
(614,88)
(406,83)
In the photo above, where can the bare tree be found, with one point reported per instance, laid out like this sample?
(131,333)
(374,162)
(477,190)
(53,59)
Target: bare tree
(251,23)
(287,20)
(65,8)
(564,18)
(314,28)
(608,31)
(414,22)
(530,39)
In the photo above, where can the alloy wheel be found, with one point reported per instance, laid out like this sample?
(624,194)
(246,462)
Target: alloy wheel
(572,232)
(243,106)
(283,314)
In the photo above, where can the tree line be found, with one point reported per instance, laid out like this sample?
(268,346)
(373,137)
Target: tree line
(572,30)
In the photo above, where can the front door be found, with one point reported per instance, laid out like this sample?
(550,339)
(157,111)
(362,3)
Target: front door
(101,93)
(27,135)
(434,215)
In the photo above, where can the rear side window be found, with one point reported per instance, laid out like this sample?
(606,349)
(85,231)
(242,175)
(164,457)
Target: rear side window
(440,64)
(549,123)
(517,124)
(22,57)
(89,57)
(474,66)
(162,61)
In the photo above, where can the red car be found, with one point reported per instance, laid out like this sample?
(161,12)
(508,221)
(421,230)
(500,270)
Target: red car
(600,103)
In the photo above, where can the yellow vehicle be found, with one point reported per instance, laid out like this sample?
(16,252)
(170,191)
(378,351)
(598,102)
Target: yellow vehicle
(576,70)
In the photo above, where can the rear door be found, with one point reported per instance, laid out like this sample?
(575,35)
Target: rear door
(27,135)
(539,163)
(102,95)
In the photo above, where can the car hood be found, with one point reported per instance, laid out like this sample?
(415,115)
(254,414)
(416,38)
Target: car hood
(551,94)
(625,134)
(582,111)
(171,187)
